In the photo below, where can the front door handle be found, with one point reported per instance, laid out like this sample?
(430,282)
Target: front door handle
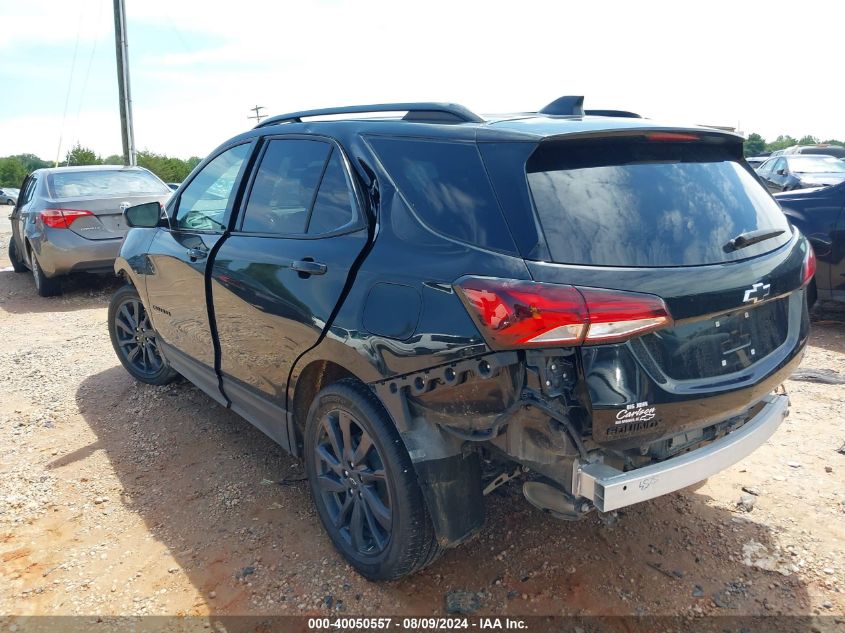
(197,253)
(308,267)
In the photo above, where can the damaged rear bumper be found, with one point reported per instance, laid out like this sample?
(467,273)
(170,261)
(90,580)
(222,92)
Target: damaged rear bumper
(610,489)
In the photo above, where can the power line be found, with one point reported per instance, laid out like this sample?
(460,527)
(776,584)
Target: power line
(258,116)
(69,86)
(99,24)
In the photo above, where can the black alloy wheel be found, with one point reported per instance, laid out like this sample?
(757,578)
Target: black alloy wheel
(134,339)
(364,484)
(352,482)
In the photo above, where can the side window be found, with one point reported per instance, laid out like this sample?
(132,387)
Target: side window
(28,191)
(203,203)
(780,163)
(284,187)
(334,207)
(447,186)
(766,168)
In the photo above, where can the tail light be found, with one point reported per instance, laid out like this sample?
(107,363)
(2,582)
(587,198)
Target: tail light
(809,268)
(531,314)
(62,218)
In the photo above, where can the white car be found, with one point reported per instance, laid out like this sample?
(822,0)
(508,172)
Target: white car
(9,195)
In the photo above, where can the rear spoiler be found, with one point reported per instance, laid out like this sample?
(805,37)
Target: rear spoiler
(656,133)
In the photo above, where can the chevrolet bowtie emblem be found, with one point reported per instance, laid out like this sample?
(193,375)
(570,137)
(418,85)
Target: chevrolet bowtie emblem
(757,292)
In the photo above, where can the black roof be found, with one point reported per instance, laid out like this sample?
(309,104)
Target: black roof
(449,121)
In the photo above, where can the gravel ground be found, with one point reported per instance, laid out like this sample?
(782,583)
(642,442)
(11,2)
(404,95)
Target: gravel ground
(123,499)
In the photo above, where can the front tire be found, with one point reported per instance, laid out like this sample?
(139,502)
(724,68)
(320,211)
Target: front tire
(45,286)
(364,484)
(135,341)
(18,264)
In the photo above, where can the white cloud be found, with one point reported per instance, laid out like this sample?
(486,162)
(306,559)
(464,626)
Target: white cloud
(684,62)
(52,22)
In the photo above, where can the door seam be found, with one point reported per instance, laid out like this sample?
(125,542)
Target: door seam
(212,322)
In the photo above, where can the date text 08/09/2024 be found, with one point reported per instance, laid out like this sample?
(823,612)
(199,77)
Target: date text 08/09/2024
(416,624)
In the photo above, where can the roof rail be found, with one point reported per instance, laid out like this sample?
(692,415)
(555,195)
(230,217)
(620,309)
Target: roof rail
(423,111)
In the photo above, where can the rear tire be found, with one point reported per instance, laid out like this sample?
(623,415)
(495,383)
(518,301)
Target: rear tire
(18,264)
(45,286)
(367,496)
(135,341)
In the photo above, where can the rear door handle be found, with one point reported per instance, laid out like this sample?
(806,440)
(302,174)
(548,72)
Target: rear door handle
(308,267)
(197,253)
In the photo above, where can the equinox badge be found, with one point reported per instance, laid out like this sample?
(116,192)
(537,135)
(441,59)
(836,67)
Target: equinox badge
(757,292)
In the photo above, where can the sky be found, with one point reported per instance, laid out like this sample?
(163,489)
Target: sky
(197,67)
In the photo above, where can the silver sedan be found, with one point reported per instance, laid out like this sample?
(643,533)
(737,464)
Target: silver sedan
(70,219)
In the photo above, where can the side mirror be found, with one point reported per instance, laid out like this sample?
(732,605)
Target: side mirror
(146,216)
(781,172)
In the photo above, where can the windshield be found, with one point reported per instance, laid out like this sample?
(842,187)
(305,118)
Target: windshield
(619,203)
(816,165)
(104,184)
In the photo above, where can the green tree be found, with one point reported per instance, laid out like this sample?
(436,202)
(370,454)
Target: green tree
(781,142)
(754,145)
(833,141)
(192,162)
(167,168)
(31,162)
(808,140)
(82,156)
(12,171)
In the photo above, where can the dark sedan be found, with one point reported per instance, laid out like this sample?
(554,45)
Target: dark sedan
(818,213)
(801,171)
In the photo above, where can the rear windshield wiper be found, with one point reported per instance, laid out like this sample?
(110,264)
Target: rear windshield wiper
(751,237)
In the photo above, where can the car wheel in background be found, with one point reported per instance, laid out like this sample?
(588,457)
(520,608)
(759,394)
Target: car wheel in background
(364,484)
(44,285)
(134,339)
(18,265)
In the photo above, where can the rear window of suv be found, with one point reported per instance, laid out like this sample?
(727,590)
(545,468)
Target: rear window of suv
(617,203)
(104,184)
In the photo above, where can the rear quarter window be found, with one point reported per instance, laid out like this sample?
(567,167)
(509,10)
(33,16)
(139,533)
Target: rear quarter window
(447,187)
(648,204)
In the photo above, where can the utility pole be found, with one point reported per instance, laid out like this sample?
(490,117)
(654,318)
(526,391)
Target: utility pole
(122,50)
(258,116)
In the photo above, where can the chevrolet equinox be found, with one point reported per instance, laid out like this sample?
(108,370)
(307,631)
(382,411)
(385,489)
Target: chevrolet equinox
(426,304)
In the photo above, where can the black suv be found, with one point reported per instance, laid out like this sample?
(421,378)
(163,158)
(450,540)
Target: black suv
(426,304)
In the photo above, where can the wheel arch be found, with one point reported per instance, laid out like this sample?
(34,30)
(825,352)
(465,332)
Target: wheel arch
(123,271)
(450,478)
(314,376)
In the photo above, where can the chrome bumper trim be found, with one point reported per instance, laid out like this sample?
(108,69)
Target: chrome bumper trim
(610,489)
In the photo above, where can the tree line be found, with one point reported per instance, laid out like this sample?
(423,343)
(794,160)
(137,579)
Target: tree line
(755,145)
(13,169)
